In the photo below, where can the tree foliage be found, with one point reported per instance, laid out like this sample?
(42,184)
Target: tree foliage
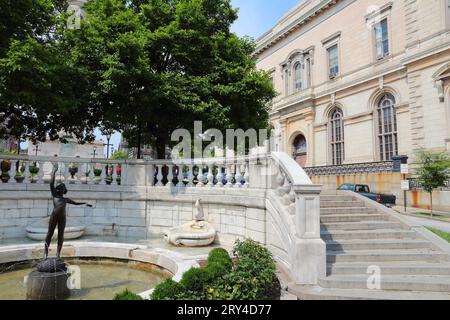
(162,64)
(433,171)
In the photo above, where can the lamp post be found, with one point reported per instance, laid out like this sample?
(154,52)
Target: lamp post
(94,149)
(108,144)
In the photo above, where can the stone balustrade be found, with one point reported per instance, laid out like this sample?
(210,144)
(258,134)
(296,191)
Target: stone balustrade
(220,172)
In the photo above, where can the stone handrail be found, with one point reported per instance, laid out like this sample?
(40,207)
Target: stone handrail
(212,172)
(298,199)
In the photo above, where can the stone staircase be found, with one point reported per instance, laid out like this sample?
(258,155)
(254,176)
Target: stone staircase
(359,238)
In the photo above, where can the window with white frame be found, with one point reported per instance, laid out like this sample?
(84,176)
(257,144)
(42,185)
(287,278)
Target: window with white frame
(387,127)
(298,77)
(333,61)
(337,136)
(381,39)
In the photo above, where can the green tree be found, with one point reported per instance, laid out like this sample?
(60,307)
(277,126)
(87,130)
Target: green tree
(159,65)
(41,91)
(433,171)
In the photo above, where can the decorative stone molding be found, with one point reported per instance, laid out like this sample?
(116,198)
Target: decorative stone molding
(346,169)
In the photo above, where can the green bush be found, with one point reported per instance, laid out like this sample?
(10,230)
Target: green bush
(127,295)
(195,279)
(219,254)
(251,276)
(168,290)
(34,170)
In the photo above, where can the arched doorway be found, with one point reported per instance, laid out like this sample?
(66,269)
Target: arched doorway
(300,150)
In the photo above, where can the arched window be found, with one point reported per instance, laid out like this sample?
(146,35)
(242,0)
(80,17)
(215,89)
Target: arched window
(337,137)
(387,127)
(298,77)
(300,150)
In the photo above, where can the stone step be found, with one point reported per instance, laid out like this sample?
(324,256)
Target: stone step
(336,198)
(390,282)
(353,218)
(346,210)
(368,234)
(340,204)
(365,225)
(344,245)
(319,293)
(377,256)
(391,268)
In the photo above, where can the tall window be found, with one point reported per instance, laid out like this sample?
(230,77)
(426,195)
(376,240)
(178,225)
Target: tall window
(382,39)
(333,62)
(387,128)
(286,82)
(298,77)
(337,137)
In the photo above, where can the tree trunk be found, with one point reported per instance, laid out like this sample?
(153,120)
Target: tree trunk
(161,148)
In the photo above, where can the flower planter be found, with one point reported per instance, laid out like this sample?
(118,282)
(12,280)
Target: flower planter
(19,179)
(5,165)
(5,178)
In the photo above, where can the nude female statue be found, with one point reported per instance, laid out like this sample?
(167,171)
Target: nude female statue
(58,217)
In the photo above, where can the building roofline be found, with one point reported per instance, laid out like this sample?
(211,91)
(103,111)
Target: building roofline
(269,38)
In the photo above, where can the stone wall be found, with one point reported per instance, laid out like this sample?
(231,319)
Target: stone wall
(388,183)
(137,212)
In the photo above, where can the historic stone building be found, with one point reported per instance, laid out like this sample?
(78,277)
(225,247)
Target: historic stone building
(359,82)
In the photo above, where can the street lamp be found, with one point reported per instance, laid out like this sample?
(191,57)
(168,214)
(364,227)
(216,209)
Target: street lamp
(108,144)
(94,151)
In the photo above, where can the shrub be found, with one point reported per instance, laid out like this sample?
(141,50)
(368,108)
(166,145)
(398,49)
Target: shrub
(195,279)
(127,295)
(218,254)
(218,269)
(34,170)
(168,290)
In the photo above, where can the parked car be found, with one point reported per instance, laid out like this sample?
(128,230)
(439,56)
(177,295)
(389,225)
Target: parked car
(364,190)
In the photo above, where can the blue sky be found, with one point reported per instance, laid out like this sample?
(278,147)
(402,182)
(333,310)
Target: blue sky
(255,18)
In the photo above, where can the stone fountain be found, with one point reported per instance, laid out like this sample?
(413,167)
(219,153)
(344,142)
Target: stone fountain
(197,233)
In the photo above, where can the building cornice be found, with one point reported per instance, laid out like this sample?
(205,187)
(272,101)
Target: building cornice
(298,23)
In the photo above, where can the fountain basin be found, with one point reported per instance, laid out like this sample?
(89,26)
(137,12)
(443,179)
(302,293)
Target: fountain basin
(189,236)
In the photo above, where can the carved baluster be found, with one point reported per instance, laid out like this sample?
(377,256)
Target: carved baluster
(27,171)
(40,175)
(170,167)
(190,175)
(113,172)
(200,176)
(78,174)
(229,176)
(103,174)
(66,173)
(91,179)
(13,172)
(238,176)
(180,176)
(219,176)
(210,176)
(247,177)
(159,176)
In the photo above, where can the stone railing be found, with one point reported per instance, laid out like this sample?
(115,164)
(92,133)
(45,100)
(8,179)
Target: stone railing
(356,168)
(220,172)
(297,201)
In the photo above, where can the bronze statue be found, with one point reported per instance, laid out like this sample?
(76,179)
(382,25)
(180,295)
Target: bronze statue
(58,217)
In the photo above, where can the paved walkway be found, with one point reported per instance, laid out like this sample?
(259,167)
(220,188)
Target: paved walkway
(441,225)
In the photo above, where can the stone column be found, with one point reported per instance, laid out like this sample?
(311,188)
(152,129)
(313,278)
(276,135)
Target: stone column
(309,251)
(136,174)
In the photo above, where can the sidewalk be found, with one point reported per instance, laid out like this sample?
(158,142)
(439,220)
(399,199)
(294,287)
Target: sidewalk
(428,222)
(409,210)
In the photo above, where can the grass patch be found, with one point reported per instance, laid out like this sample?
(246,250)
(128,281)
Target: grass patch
(442,234)
(429,216)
